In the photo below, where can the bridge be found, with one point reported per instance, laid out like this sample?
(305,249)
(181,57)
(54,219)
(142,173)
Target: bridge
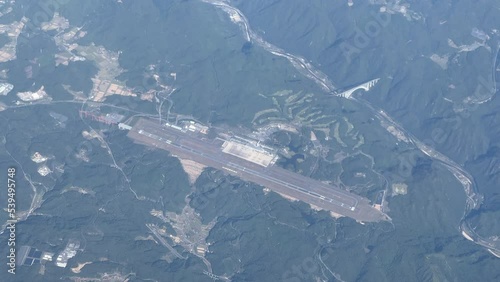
(365,86)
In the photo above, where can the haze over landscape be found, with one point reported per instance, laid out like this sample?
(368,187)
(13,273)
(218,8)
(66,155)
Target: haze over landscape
(262,140)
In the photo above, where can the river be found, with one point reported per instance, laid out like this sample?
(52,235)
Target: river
(474,199)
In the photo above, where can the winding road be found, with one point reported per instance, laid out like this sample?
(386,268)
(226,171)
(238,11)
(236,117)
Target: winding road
(474,199)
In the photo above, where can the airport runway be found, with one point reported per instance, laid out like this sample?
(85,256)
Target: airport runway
(197,147)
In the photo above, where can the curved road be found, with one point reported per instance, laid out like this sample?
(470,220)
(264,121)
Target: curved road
(474,199)
(304,67)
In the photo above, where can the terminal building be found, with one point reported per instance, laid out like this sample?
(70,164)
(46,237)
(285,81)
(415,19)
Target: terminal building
(252,154)
(252,161)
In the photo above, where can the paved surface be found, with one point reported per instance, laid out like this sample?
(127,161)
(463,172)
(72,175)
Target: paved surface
(197,147)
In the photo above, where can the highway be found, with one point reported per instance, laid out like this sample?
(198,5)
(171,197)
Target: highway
(196,147)
(474,199)
(298,62)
